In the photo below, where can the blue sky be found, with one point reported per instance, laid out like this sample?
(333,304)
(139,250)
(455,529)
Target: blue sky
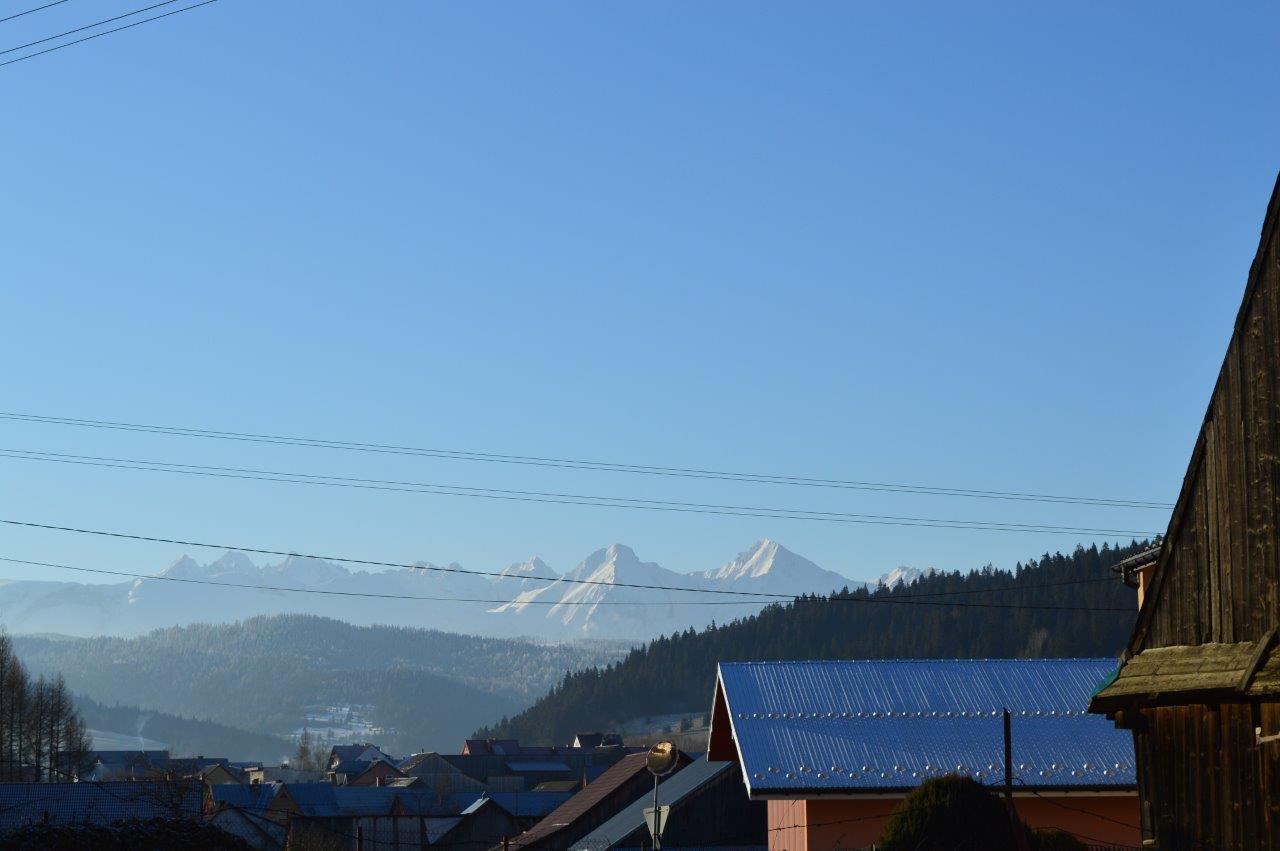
(995,246)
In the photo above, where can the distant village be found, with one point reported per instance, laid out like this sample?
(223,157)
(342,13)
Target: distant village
(797,755)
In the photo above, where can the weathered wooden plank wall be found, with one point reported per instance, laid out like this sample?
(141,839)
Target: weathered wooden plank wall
(1220,579)
(1204,782)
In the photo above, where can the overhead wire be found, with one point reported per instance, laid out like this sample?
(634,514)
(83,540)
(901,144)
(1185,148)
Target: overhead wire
(552,497)
(579,464)
(88,27)
(36,9)
(100,34)
(755,597)
(333,593)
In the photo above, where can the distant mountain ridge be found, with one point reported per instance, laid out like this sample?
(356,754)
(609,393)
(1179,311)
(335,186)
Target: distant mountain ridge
(261,676)
(527,598)
(1058,605)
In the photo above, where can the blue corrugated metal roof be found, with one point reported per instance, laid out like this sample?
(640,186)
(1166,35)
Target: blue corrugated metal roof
(538,765)
(827,727)
(97,803)
(255,796)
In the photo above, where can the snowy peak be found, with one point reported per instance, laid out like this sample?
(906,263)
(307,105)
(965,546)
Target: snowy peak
(903,575)
(611,559)
(309,571)
(534,568)
(770,567)
(762,558)
(184,567)
(526,598)
(232,563)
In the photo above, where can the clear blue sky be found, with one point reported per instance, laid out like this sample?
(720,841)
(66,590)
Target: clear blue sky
(992,246)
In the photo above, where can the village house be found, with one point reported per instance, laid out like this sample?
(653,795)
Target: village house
(115,765)
(708,805)
(241,810)
(1200,683)
(603,798)
(833,747)
(325,815)
(378,773)
(282,774)
(347,762)
(505,765)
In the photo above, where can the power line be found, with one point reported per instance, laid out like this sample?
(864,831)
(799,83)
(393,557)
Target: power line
(905,599)
(99,35)
(376,563)
(88,27)
(758,597)
(550,497)
(578,464)
(36,9)
(370,594)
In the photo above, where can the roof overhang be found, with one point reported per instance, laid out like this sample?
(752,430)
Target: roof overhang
(902,791)
(1186,674)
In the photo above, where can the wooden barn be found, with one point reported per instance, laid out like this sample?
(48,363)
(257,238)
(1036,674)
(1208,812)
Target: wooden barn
(1200,681)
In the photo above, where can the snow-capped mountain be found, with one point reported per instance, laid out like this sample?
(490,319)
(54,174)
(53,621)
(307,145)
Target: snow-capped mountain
(611,593)
(532,571)
(770,568)
(903,575)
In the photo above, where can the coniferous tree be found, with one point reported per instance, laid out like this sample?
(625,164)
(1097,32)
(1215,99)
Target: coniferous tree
(1055,606)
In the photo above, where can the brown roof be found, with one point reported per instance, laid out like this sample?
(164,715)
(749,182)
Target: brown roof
(1193,674)
(599,801)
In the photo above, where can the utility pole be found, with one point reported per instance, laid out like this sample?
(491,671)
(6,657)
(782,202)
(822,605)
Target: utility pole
(657,814)
(1019,835)
(1008,761)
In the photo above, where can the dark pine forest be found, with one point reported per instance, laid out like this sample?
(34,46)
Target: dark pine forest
(1057,605)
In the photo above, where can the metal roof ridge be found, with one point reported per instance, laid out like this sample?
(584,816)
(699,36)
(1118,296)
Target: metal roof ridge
(899,661)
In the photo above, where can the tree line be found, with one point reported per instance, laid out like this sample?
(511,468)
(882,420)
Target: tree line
(42,737)
(1055,606)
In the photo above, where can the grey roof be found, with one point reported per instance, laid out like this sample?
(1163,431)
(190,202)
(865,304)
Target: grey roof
(255,796)
(689,779)
(438,827)
(545,765)
(324,800)
(97,803)
(352,766)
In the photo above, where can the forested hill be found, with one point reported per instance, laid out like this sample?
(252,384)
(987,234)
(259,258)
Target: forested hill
(677,673)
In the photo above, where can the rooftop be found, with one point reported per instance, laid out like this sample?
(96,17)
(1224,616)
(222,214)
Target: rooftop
(848,726)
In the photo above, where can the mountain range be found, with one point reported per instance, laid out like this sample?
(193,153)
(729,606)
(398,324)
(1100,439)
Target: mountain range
(609,594)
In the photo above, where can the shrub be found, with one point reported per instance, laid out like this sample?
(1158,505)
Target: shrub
(1056,840)
(153,835)
(950,813)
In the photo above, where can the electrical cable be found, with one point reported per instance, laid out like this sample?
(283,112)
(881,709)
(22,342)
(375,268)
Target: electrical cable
(604,466)
(36,9)
(101,34)
(555,498)
(885,597)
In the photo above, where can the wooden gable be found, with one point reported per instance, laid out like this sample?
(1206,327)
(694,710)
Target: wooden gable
(1219,569)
